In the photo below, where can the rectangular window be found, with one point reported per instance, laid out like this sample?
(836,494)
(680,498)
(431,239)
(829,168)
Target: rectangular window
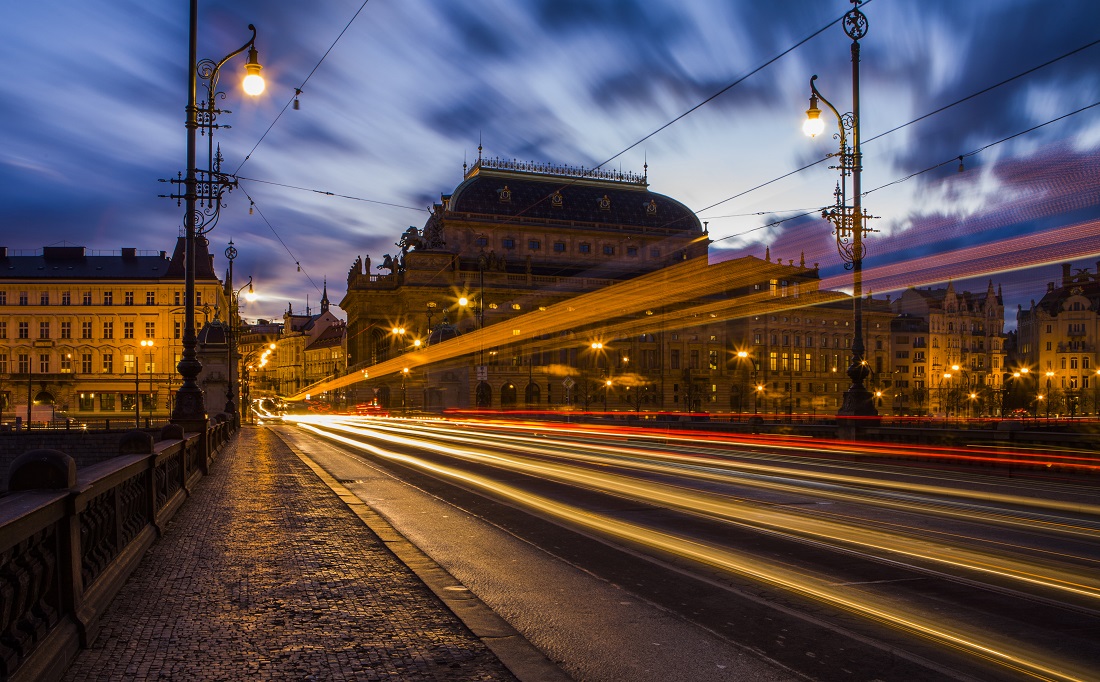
(44,298)
(128,364)
(86,402)
(632,251)
(3,329)
(108,298)
(559,247)
(773,361)
(654,253)
(127,330)
(3,363)
(177,330)
(86,363)
(108,330)
(585,248)
(198,298)
(150,298)
(24,330)
(712,360)
(66,298)
(797,357)
(107,402)
(66,363)
(175,298)
(44,329)
(24,363)
(128,298)
(608,250)
(481,241)
(44,363)
(86,330)
(3,298)
(86,298)
(533,244)
(508,243)
(108,363)
(693,358)
(66,329)
(22,298)
(674,359)
(150,330)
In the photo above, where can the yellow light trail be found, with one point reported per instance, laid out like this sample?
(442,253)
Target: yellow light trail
(1046,575)
(848,598)
(574,448)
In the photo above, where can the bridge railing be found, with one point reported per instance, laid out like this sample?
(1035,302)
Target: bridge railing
(65,553)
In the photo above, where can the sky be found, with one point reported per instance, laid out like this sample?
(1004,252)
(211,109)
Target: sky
(391,108)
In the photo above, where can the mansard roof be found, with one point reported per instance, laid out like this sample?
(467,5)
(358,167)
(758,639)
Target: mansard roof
(75,262)
(541,192)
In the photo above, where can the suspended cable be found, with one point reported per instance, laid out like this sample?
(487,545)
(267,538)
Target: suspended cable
(333,194)
(298,90)
(252,205)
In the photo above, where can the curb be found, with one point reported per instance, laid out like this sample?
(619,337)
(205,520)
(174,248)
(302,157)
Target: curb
(521,657)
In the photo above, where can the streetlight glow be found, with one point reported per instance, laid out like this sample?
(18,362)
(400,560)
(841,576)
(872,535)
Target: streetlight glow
(253,83)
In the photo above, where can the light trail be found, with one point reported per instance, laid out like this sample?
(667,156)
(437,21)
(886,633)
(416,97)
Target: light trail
(1017,656)
(1044,575)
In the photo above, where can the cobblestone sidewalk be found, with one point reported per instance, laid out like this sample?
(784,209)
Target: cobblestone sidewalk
(265,574)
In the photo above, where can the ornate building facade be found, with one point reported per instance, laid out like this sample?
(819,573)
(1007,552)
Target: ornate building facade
(515,238)
(949,351)
(1057,342)
(73,324)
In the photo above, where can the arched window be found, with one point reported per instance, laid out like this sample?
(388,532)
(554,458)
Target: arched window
(483,396)
(532,395)
(508,396)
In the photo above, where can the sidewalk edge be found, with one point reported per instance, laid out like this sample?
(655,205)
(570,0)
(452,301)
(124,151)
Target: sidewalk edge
(517,654)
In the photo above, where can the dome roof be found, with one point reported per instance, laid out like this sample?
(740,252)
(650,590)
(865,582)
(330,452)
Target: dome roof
(551,193)
(444,332)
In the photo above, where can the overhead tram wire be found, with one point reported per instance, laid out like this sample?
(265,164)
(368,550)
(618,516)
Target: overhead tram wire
(297,262)
(333,194)
(915,120)
(298,90)
(933,167)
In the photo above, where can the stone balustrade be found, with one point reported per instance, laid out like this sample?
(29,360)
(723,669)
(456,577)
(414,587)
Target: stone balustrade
(69,539)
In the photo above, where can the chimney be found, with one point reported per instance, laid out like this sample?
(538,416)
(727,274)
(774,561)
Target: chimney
(1065,275)
(129,253)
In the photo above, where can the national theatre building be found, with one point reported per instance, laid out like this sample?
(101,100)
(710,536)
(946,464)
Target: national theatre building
(558,286)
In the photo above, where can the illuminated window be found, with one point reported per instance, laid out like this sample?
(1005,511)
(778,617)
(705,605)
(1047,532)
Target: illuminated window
(559,247)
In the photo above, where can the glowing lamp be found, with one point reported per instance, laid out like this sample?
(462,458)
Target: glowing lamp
(813,125)
(253,82)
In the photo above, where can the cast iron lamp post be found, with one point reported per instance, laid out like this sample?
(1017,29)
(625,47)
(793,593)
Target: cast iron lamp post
(849,222)
(202,194)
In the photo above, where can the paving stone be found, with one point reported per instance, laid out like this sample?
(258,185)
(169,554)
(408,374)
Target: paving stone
(265,574)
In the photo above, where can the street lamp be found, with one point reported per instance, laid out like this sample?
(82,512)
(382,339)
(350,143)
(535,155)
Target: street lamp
(742,356)
(1050,375)
(404,376)
(849,222)
(145,343)
(234,327)
(606,388)
(202,194)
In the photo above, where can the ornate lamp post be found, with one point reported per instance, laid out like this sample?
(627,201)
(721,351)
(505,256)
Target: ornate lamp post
(234,327)
(849,222)
(202,194)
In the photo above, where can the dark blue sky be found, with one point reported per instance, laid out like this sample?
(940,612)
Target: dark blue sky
(94,96)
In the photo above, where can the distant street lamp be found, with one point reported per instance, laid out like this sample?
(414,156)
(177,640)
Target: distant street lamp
(849,222)
(404,376)
(202,194)
(606,388)
(145,343)
(1050,375)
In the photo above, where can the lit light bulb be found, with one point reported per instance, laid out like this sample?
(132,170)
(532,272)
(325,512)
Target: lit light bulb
(253,82)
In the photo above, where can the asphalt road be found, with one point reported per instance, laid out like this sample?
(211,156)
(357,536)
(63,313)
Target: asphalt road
(626,555)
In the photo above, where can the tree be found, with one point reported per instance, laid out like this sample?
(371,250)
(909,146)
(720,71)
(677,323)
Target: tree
(919,395)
